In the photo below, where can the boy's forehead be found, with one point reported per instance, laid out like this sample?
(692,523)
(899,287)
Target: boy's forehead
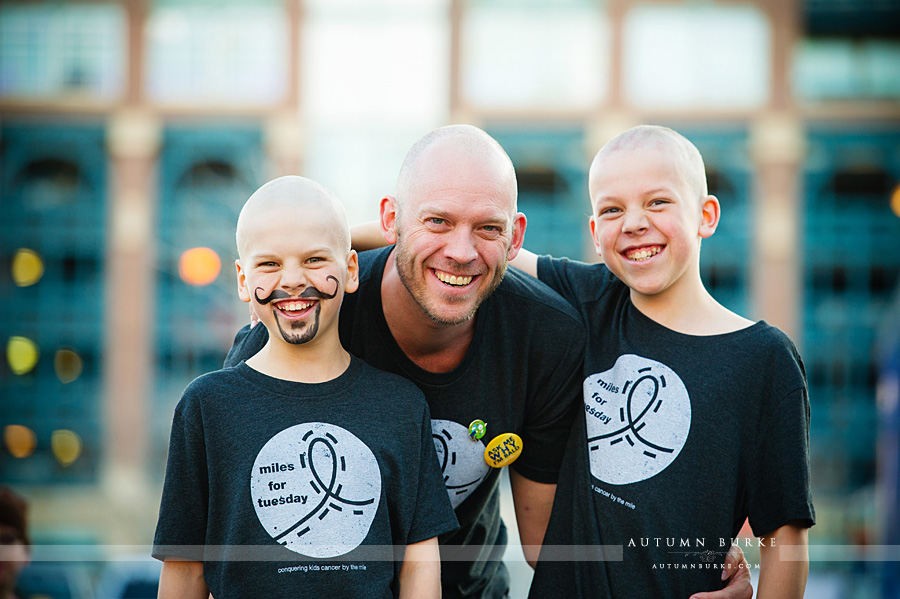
(673,164)
(283,227)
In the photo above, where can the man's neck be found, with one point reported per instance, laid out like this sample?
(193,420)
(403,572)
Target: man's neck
(431,346)
(306,363)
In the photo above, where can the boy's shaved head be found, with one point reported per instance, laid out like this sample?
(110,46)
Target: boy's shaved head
(292,192)
(457,143)
(683,153)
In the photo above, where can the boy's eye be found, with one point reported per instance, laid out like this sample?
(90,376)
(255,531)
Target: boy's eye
(316,259)
(610,210)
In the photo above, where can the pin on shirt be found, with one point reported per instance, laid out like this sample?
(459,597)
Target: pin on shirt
(477,429)
(503,450)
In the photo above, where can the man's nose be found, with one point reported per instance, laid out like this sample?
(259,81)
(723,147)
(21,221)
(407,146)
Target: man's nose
(461,246)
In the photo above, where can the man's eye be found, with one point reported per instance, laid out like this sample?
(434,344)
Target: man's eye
(493,229)
(437,221)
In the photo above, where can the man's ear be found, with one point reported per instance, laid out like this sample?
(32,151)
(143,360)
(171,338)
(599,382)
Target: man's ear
(388,210)
(710,214)
(595,236)
(518,234)
(243,292)
(352,272)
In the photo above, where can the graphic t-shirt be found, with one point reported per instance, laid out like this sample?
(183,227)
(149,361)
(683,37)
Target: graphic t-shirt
(287,489)
(682,438)
(521,374)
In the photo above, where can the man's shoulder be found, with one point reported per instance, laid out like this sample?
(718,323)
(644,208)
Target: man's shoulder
(371,261)
(532,297)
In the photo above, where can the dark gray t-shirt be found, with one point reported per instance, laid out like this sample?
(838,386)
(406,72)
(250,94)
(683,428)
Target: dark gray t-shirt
(287,489)
(521,374)
(682,438)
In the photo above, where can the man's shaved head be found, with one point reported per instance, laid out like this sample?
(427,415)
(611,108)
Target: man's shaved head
(292,192)
(644,137)
(454,143)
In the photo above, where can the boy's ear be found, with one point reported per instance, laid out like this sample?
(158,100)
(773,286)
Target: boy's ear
(388,210)
(352,272)
(595,236)
(518,234)
(243,292)
(709,216)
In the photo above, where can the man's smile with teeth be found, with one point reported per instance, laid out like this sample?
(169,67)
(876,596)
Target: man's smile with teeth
(641,254)
(449,279)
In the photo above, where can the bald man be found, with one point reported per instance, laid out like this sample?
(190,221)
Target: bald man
(483,343)
(303,451)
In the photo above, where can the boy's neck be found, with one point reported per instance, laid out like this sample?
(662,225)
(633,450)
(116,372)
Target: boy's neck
(689,310)
(318,361)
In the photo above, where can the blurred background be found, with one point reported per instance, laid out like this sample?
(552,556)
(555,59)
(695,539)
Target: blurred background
(132,131)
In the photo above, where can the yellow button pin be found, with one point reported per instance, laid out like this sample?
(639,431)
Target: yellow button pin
(503,450)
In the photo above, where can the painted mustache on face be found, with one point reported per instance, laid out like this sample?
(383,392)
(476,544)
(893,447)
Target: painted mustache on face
(310,292)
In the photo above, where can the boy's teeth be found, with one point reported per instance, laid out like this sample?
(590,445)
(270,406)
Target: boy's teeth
(643,254)
(453,279)
(294,306)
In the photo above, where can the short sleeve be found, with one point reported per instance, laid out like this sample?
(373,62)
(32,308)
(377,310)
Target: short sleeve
(433,512)
(247,344)
(778,491)
(578,282)
(553,272)
(552,404)
(181,527)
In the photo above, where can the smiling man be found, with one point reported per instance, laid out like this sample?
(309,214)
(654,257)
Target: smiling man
(483,344)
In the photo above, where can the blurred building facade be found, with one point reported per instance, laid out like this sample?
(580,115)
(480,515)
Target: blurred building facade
(133,130)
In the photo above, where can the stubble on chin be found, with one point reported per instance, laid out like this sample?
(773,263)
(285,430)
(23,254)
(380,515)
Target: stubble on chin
(405,265)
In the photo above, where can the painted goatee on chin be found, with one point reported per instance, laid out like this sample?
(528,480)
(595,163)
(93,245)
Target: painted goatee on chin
(299,333)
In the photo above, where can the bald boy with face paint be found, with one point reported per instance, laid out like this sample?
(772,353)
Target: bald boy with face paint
(303,451)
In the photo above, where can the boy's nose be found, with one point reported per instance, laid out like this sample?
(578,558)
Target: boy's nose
(460,247)
(293,278)
(635,221)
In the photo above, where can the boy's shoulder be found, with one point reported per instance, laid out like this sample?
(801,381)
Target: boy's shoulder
(579,282)
(520,289)
(763,338)
(214,385)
